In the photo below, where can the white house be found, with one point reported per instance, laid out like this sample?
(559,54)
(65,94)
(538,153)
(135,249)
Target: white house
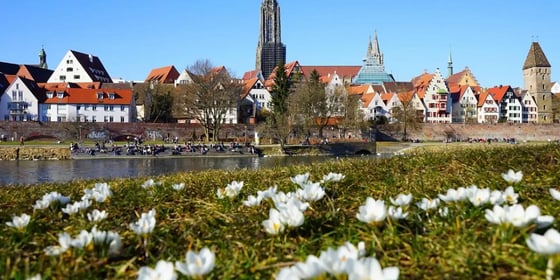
(77,67)
(20,101)
(510,105)
(488,109)
(184,78)
(464,104)
(431,88)
(529,109)
(88,105)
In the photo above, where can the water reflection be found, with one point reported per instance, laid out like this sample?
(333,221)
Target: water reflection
(32,172)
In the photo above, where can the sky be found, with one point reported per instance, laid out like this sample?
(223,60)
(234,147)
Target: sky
(131,37)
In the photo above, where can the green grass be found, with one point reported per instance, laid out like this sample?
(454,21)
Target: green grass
(462,245)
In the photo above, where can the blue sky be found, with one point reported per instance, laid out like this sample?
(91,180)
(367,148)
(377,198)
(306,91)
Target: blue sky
(131,37)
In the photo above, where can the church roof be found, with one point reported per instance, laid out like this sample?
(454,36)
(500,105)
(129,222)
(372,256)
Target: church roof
(535,57)
(163,75)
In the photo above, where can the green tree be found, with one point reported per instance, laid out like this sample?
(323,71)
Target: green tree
(161,109)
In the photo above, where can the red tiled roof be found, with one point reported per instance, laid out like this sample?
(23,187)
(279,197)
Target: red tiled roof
(164,75)
(357,90)
(387,96)
(90,96)
(498,92)
(456,78)
(34,73)
(250,75)
(405,96)
(482,98)
(248,85)
(367,98)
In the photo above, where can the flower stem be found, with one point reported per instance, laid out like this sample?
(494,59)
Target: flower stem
(550,269)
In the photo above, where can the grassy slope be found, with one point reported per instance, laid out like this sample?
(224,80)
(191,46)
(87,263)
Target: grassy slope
(461,246)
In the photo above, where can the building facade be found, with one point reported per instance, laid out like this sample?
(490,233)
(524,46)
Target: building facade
(536,78)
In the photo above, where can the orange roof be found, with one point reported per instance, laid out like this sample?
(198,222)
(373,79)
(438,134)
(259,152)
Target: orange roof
(90,96)
(405,96)
(357,90)
(288,69)
(498,92)
(218,69)
(387,96)
(422,80)
(367,98)
(248,85)
(482,98)
(250,74)
(456,78)
(164,75)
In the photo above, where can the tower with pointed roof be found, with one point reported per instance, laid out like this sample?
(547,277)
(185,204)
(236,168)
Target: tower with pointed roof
(536,78)
(373,69)
(270,50)
(43,58)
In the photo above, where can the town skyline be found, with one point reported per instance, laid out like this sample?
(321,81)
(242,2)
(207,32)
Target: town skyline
(130,48)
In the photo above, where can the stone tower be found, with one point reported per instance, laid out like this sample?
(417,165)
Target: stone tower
(270,50)
(43,58)
(536,77)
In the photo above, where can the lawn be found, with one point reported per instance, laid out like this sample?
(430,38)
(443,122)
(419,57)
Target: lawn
(436,239)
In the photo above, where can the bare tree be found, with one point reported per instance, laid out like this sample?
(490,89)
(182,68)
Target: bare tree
(210,98)
(352,115)
(406,116)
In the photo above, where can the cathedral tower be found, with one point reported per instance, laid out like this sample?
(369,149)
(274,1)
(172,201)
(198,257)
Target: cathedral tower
(270,50)
(536,77)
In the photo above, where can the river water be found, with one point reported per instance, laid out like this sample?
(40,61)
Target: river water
(33,172)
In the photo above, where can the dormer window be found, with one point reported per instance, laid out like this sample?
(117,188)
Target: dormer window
(69,69)
(100,95)
(112,95)
(60,94)
(50,94)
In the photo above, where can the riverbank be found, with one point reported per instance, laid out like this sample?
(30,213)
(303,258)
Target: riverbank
(449,240)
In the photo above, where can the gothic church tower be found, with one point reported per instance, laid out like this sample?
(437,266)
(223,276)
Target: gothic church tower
(270,50)
(536,77)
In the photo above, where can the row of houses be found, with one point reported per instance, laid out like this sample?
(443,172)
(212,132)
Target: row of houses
(81,89)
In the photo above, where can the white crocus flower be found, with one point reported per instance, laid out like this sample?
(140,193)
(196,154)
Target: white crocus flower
(34,277)
(252,201)
(480,197)
(496,215)
(544,221)
(311,268)
(273,225)
(300,179)
(71,209)
(50,198)
(233,189)
(369,268)
(268,193)
(312,192)
(178,187)
(336,261)
(554,193)
(83,240)
(372,211)
(496,197)
(100,192)
(396,213)
(402,200)
(547,244)
(288,273)
(427,204)
(512,177)
(443,212)
(64,243)
(96,215)
(146,223)
(197,264)
(19,222)
(509,196)
(332,177)
(220,193)
(163,271)
(291,215)
(148,184)
(520,217)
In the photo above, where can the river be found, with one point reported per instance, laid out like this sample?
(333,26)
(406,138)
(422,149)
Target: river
(33,172)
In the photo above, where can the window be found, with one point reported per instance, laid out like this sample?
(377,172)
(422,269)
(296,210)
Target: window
(100,95)
(105,118)
(111,96)
(78,107)
(86,107)
(94,107)
(122,119)
(14,95)
(69,61)
(111,119)
(122,107)
(62,77)
(93,119)
(69,69)
(76,77)
(106,108)
(111,108)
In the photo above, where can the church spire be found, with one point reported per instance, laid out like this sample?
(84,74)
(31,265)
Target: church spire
(43,58)
(449,66)
(376,53)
